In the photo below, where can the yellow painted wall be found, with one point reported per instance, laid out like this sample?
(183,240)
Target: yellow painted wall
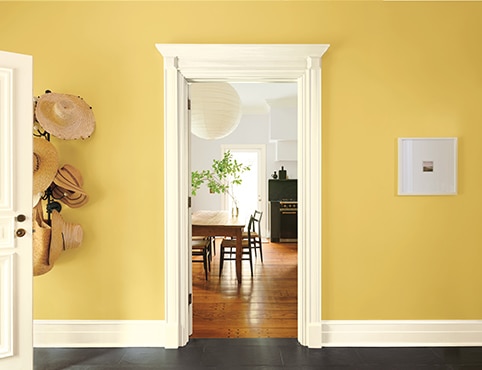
(394,69)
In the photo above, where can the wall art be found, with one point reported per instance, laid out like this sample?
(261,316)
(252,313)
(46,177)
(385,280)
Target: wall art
(427,166)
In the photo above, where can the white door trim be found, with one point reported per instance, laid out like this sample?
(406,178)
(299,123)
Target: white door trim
(257,63)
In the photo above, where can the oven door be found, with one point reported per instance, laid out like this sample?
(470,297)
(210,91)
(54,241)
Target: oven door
(288,225)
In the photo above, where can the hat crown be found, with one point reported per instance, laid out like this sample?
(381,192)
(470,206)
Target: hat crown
(64,109)
(68,187)
(73,235)
(71,175)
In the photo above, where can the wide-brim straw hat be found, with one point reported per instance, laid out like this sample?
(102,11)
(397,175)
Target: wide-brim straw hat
(68,186)
(41,242)
(45,164)
(65,116)
(65,235)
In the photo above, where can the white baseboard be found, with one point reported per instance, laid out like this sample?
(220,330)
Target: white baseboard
(401,333)
(334,333)
(99,333)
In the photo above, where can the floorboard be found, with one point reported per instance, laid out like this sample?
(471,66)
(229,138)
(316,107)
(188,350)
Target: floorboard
(262,306)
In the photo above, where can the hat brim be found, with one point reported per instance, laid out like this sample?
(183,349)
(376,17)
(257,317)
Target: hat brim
(69,198)
(65,116)
(46,164)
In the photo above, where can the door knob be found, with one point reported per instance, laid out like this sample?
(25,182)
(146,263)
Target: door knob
(21,218)
(20,232)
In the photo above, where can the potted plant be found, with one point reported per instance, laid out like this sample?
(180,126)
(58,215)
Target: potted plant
(220,179)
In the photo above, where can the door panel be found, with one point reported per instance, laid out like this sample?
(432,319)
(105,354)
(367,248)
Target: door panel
(16,107)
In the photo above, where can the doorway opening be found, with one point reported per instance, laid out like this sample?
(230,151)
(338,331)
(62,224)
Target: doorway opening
(185,63)
(250,193)
(264,305)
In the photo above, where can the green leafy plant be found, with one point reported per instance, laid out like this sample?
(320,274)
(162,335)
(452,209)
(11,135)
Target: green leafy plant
(224,174)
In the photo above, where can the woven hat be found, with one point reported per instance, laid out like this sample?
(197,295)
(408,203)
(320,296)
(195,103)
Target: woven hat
(36,199)
(65,116)
(45,164)
(73,200)
(65,236)
(41,242)
(68,186)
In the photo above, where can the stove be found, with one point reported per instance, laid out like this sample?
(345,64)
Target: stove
(284,221)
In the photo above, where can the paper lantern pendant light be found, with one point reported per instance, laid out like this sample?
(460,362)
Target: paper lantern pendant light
(215,109)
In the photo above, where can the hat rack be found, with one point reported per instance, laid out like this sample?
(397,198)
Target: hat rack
(66,117)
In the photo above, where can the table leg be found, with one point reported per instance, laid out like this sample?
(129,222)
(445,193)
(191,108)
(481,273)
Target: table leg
(239,253)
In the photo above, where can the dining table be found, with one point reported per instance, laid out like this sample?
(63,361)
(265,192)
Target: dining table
(221,223)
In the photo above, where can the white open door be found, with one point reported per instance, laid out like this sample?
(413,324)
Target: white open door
(177,213)
(16,115)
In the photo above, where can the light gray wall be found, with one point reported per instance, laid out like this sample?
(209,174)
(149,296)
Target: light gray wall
(252,129)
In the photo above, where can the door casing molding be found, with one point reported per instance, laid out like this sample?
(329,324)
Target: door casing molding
(184,63)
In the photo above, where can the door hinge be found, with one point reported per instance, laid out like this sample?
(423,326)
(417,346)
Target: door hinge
(188,104)
(189,299)
(189,202)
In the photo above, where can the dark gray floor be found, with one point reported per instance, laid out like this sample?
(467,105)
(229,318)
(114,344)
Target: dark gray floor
(222,354)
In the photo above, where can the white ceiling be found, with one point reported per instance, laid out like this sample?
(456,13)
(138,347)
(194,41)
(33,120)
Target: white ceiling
(254,96)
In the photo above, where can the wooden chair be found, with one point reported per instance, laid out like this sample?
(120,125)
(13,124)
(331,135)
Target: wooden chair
(201,247)
(256,234)
(228,249)
(255,231)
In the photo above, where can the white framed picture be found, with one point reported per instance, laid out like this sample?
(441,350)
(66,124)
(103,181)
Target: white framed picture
(427,166)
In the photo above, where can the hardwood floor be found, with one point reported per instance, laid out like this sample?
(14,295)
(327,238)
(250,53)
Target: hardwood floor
(264,306)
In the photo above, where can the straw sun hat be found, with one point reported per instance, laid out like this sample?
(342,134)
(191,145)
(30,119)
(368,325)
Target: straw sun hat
(45,164)
(65,235)
(50,241)
(68,187)
(65,116)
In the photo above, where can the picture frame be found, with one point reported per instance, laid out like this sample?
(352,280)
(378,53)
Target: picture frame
(427,166)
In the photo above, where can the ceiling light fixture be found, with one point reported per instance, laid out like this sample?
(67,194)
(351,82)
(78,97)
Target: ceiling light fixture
(215,109)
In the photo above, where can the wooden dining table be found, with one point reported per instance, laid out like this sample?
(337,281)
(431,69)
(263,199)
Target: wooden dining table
(220,223)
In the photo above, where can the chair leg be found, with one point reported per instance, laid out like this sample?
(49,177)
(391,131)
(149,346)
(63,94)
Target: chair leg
(221,260)
(251,261)
(205,262)
(209,256)
(261,249)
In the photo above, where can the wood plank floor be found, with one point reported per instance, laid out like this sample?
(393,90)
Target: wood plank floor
(264,306)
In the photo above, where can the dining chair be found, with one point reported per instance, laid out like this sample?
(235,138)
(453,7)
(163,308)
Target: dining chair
(256,234)
(201,247)
(228,249)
